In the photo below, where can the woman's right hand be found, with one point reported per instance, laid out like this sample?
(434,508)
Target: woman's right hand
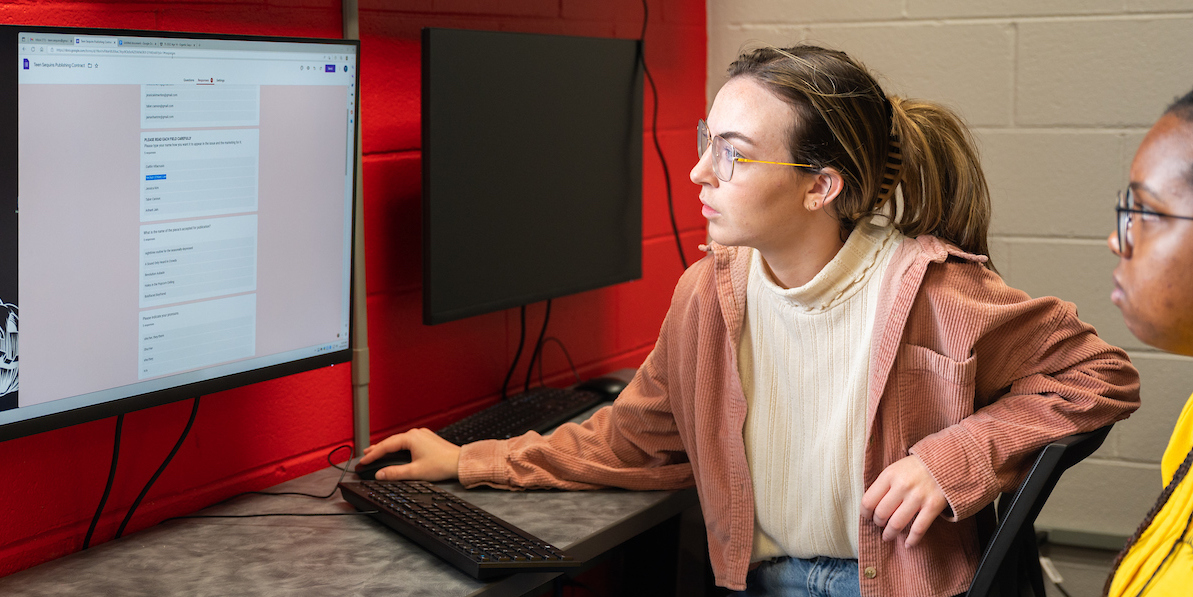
(432,458)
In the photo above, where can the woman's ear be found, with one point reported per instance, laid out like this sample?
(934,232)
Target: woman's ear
(826,186)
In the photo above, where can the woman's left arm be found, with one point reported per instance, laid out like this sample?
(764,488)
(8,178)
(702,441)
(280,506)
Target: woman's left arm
(1039,374)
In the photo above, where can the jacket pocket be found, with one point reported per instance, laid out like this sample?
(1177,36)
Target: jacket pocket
(935,391)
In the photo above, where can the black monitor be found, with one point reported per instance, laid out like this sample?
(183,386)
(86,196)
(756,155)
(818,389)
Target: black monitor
(532,168)
(175,216)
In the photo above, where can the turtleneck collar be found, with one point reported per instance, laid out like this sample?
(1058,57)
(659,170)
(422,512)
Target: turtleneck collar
(842,277)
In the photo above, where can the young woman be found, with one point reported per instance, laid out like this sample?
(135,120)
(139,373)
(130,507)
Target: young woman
(1153,288)
(845,391)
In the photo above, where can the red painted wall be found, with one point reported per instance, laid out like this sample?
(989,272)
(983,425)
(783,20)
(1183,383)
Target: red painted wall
(260,435)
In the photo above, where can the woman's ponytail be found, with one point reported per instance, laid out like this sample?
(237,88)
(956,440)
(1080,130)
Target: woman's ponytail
(944,190)
(843,120)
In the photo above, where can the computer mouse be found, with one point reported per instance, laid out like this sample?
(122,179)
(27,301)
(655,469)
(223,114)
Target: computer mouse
(606,386)
(368,471)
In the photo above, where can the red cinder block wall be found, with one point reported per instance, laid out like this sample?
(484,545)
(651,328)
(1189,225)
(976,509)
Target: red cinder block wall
(257,436)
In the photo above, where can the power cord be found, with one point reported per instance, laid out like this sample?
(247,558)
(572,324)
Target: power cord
(160,469)
(108,487)
(538,347)
(268,514)
(517,355)
(566,354)
(654,133)
(343,472)
(534,355)
(1053,575)
(190,422)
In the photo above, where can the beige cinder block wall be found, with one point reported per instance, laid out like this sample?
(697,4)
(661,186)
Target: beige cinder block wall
(1059,94)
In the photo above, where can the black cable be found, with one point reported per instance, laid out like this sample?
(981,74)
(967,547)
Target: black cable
(538,347)
(517,356)
(565,353)
(654,133)
(111,478)
(137,502)
(343,473)
(358,513)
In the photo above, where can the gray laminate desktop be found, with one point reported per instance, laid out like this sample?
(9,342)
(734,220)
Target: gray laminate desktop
(340,555)
(345,555)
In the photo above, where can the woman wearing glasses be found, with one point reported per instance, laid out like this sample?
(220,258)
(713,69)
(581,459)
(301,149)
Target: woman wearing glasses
(1154,290)
(845,391)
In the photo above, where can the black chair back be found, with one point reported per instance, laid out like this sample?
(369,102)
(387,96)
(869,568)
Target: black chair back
(1010,566)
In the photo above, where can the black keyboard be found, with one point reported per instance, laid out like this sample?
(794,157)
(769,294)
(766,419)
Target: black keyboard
(540,409)
(469,538)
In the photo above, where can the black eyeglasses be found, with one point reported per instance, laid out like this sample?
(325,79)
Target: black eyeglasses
(1124,210)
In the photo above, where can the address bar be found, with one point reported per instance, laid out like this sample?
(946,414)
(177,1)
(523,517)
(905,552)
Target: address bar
(110,51)
(166,53)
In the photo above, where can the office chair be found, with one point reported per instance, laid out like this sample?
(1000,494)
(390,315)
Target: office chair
(1010,566)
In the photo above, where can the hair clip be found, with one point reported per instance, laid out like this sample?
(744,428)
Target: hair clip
(892,172)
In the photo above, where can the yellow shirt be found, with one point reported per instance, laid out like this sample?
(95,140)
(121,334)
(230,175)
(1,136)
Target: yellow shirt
(1176,576)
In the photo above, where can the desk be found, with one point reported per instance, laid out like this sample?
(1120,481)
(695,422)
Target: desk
(337,555)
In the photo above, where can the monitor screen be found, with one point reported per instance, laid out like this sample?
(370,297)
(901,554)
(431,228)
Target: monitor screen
(532,168)
(175,216)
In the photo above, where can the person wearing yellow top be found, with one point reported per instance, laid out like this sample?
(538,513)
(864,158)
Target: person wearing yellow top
(1153,287)
(1161,561)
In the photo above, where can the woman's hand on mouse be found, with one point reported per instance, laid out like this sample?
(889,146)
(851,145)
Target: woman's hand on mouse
(432,458)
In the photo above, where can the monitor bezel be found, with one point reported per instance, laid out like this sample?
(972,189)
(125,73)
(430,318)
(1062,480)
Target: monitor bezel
(9,42)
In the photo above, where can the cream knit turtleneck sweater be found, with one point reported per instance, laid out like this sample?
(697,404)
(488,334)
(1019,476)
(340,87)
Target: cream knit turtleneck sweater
(804,359)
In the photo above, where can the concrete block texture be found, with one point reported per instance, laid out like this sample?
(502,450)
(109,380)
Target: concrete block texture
(1033,193)
(967,67)
(1000,253)
(738,12)
(1131,143)
(936,9)
(1074,270)
(1165,384)
(1110,72)
(1100,496)
(1157,5)
(728,42)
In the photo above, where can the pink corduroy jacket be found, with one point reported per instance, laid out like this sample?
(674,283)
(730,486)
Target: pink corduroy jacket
(972,376)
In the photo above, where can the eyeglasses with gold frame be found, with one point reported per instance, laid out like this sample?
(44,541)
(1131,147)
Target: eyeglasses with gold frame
(726,155)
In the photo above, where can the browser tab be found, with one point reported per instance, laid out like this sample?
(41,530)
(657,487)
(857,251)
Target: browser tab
(91,41)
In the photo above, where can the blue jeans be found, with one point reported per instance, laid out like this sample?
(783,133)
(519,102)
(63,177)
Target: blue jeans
(793,577)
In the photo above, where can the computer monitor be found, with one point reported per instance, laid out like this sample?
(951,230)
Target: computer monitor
(175,216)
(532,168)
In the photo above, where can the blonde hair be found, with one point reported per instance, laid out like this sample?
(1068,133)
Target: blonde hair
(843,119)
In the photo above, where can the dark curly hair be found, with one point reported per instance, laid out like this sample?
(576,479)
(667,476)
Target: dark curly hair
(1182,108)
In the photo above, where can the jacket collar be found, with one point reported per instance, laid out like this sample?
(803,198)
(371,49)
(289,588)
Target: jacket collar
(731,268)
(899,287)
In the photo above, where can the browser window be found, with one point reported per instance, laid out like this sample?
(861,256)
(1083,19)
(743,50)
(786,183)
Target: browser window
(174,221)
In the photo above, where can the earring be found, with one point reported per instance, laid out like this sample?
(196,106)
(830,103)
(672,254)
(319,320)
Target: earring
(815,204)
